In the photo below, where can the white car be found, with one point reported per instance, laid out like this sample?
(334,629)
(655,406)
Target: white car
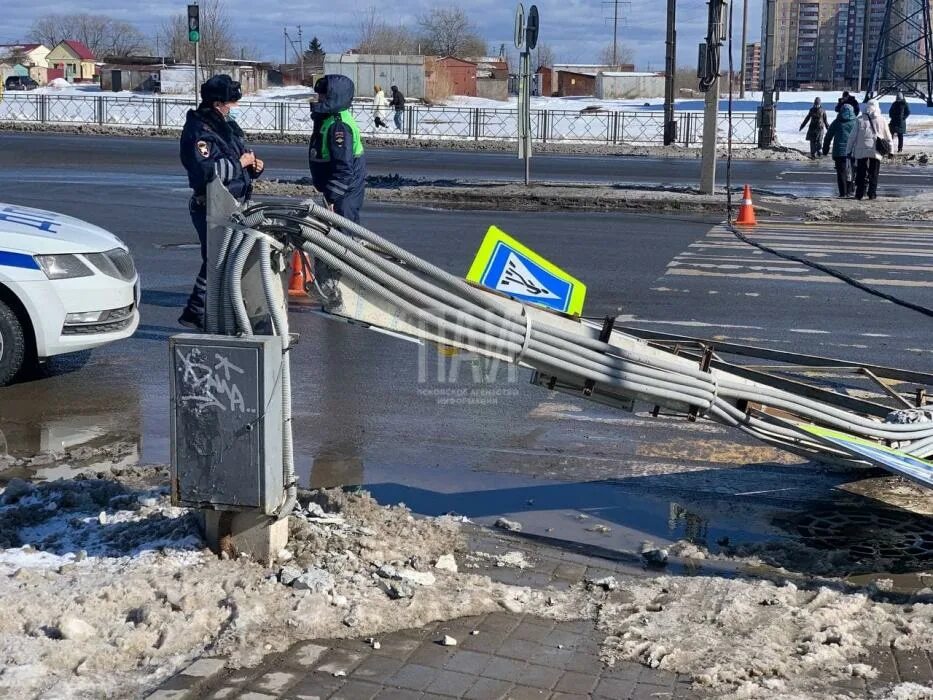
(65,286)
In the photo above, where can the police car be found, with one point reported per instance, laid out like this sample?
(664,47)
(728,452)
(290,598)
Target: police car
(65,286)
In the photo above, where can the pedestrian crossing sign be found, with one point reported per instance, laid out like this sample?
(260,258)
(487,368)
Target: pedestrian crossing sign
(507,266)
(895,461)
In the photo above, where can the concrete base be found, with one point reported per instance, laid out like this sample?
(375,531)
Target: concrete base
(237,533)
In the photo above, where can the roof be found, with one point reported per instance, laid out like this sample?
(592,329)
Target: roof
(449,59)
(630,74)
(21,47)
(82,51)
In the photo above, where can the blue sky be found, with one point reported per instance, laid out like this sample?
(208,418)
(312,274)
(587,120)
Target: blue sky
(577,30)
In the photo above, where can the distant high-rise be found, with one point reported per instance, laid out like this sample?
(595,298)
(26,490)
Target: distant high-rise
(752,71)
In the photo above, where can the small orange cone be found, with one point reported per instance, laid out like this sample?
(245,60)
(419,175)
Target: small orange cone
(747,210)
(301,275)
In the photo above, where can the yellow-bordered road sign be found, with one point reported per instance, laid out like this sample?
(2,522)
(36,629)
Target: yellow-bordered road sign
(900,463)
(507,266)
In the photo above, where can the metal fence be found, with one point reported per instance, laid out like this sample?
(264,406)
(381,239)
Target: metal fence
(421,121)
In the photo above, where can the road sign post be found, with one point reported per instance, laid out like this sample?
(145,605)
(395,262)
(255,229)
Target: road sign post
(526,39)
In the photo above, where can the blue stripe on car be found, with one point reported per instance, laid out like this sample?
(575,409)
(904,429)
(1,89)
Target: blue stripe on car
(22,260)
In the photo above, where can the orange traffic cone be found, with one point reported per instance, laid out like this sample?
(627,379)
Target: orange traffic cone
(747,210)
(301,274)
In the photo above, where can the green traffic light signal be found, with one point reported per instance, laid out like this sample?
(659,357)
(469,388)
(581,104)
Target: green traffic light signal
(194,37)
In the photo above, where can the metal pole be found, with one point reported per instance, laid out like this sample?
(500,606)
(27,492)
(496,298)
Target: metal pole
(744,48)
(766,116)
(285,47)
(670,64)
(301,54)
(710,119)
(615,32)
(864,48)
(197,72)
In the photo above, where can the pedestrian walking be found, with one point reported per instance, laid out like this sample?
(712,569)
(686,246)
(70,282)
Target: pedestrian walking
(381,108)
(847,99)
(816,117)
(870,143)
(213,147)
(335,154)
(898,113)
(398,104)
(838,135)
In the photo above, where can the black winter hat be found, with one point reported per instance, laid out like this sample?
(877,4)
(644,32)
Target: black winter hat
(221,88)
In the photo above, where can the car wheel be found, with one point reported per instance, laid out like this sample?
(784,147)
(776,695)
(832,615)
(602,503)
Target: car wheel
(12,344)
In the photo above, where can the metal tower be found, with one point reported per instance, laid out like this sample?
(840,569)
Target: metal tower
(904,55)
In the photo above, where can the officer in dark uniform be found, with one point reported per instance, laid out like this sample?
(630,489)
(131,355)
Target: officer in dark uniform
(338,166)
(212,146)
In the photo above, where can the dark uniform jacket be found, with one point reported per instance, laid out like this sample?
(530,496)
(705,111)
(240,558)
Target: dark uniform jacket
(211,147)
(339,169)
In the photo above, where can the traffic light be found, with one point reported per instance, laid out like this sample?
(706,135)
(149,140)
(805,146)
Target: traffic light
(194,24)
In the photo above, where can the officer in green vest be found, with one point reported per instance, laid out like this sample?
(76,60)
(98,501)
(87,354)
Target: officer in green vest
(338,166)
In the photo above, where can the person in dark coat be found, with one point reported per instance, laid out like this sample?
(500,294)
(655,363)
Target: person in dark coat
(212,147)
(838,134)
(816,117)
(398,104)
(898,113)
(847,99)
(335,154)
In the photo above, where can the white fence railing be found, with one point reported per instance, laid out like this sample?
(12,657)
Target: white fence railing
(421,121)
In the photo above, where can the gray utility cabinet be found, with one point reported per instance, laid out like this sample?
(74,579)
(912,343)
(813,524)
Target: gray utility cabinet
(226,422)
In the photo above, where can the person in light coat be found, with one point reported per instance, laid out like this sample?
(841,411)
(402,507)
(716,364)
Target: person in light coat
(381,108)
(862,148)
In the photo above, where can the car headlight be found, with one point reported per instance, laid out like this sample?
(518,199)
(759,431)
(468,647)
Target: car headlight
(63,267)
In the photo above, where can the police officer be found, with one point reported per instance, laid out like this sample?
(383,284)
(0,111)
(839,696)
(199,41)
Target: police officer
(212,147)
(338,166)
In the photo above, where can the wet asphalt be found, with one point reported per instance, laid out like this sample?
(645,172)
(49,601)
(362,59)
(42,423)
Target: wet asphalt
(437,433)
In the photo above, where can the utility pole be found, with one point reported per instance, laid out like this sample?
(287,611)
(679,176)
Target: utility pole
(766,111)
(863,50)
(744,48)
(670,65)
(615,33)
(301,54)
(709,83)
(285,46)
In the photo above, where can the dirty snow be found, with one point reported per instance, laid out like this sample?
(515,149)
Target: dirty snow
(107,590)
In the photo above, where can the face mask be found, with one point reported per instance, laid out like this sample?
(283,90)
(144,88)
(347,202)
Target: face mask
(234,114)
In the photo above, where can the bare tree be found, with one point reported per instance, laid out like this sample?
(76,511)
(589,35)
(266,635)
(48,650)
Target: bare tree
(447,31)
(101,34)
(623,54)
(217,37)
(545,55)
(376,36)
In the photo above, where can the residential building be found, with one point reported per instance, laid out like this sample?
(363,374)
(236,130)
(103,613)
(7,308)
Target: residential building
(72,61)
(751,74)
(810,43)
(857,64)
(30,57)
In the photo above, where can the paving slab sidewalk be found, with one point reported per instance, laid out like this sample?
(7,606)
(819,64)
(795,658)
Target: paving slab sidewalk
(500,655)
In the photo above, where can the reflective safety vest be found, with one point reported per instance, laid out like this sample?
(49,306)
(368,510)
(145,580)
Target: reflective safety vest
(347,118)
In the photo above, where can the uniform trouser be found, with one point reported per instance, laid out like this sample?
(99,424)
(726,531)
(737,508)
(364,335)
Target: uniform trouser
(350,204)
(196,301)
(842,174)
(866,174)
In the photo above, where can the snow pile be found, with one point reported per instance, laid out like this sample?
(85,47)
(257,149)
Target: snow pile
(758,639)
(107,590)
(59,84)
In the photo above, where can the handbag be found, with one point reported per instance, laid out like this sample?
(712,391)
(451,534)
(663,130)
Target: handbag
(882,146)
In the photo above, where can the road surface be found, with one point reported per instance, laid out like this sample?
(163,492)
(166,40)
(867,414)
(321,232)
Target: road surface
(435,432)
